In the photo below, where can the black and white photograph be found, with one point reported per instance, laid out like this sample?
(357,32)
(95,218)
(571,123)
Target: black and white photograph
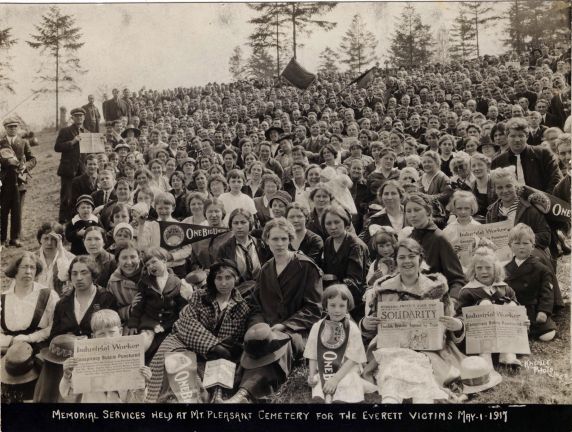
(354,206)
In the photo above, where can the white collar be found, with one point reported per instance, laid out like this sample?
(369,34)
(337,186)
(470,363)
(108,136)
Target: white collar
(92,218)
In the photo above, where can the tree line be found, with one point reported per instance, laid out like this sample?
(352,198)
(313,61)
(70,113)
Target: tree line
(278,29)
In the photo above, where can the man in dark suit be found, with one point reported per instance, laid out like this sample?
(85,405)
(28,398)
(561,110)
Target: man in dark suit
(415,129)
(546,119)
(16,159)
(105,192)
(86,184)
(71,165)
(556,108)
(538,166)
(536,133)
(92,115)
(521,91)
(115,108)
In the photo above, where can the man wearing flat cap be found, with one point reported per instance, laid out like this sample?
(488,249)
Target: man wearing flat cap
(16,160)
(71,165)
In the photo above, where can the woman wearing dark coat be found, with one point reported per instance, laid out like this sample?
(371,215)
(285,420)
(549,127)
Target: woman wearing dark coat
(288,298)
(345,256)
(305,240)
(439,254)
(247,252)
(65,320)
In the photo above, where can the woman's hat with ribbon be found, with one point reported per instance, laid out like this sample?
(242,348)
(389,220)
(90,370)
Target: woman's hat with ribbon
(61,348)
(263,346)
(17,365)
(477,374)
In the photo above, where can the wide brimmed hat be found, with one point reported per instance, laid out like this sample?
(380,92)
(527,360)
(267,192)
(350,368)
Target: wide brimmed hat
(130,127)
(121,145)
(477,375)
(281,195)
(188,160)
(263,346)
(486,140)
(60,349)
(273,128)
(84,199)
(17,366)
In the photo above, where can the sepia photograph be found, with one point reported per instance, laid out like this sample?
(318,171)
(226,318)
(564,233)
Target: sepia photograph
(274,203)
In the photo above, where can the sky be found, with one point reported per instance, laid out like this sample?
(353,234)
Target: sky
(161,46)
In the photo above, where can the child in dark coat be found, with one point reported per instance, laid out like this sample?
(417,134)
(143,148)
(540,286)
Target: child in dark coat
(532,282)
(158,302)
(75,229)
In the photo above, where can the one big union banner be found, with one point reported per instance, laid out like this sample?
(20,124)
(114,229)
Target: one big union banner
(175,234)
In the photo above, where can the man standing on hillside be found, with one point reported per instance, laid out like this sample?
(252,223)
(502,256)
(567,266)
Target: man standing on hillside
(115,108)
(67,143)
(16,159)
(92,115)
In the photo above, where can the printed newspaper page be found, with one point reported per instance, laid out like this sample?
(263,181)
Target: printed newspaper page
(496,329)
(411,324)
(91,143)
(496,232)
(108,364)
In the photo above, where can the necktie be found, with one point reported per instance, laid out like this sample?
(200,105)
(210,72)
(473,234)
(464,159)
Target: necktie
(519,171)
(105,196)
(248,259)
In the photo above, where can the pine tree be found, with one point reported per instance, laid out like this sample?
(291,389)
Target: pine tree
(236,64)
(515,29)
(328,61)
(530,22)
(481,16)
(260,64)
(462,38)
(412,40)
(59,40)
(6,42)
(301,16)
(358,46)
(269,30)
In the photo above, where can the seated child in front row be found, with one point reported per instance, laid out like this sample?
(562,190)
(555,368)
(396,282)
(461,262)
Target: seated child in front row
(339,379)
(158,302)
(486,287)
(532,282)
(105,323)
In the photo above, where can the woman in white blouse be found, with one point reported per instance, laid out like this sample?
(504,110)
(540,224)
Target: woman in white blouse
(55,259)
(27,307)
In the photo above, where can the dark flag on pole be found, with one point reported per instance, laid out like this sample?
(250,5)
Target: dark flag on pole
(297,75)
(365,78)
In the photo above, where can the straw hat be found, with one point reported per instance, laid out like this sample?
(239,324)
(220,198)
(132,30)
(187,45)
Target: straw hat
(477,375)
(17,366)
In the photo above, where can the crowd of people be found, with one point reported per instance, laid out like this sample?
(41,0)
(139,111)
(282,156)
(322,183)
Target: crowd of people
(336,198)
